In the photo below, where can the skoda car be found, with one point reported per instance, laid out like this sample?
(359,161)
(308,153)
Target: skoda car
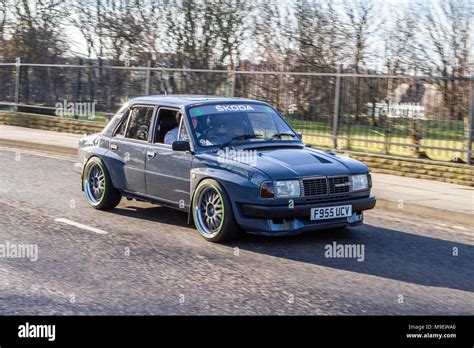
(232,164)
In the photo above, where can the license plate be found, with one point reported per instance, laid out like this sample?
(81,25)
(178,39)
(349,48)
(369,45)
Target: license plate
(335,212)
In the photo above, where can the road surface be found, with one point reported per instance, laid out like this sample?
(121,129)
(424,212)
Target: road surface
(144,259)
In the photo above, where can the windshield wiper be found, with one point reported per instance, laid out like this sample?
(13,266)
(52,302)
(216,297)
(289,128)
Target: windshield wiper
(240,137)
(279,135)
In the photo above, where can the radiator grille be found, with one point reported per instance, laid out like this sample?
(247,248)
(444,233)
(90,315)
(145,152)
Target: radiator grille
(315,187)
(339,184)
(312,187)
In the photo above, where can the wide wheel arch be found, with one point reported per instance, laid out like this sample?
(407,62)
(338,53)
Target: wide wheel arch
(105,164)
(229,228)
(193,193)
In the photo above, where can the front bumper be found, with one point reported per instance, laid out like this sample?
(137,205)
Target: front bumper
(283,220)
(284,212)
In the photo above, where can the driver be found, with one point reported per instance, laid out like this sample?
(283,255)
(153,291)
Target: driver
(222,128)
(172,135)
(218,130)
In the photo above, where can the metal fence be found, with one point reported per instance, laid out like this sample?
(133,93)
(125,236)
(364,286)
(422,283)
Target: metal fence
(419,116)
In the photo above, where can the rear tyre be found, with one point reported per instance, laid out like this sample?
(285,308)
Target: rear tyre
(212,212)
(98,188)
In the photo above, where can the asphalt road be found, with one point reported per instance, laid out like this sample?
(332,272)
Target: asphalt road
(145,259)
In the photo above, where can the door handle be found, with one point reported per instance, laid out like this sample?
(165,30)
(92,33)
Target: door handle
(113,147)
(151,154)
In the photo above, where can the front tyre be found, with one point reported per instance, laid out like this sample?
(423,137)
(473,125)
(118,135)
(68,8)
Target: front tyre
(98,187)
(212,212)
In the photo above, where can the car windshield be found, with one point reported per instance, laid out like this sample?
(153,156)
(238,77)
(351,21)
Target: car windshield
(228,124)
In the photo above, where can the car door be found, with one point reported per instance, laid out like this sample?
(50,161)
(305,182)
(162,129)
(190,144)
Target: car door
(168,171)
(130,143)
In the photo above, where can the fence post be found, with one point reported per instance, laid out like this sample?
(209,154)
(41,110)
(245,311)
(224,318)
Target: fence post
(148,78)
(386,119)
(232,76)
(77,89)
(337,106)
(17,82)
(470,119)
(234,81)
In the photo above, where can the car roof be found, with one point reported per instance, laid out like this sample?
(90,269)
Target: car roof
(185,100)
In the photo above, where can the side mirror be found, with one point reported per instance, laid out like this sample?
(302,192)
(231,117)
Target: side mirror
(181,145)
(299,135)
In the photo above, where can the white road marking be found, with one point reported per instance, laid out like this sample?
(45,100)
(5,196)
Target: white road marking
(78,225)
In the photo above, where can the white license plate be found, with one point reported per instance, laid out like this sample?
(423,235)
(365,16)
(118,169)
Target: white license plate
(335,212)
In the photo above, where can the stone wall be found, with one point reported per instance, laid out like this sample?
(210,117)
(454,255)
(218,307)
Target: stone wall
(52,123)
(454,173)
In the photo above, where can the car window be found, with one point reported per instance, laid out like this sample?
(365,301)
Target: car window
(120,132)
(215,125)
(139,123)
(167,126)
(183,133)
(263,124)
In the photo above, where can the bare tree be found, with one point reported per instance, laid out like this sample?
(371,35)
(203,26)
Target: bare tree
(111,29)
(318,34)
(361,25)
(446,43)
(207,35)
(447,47)
(37,35)
(234,24)
(87,18)
(4,5)
(445,38)
(400,38)
(271,38)
(269,50)
(154,41)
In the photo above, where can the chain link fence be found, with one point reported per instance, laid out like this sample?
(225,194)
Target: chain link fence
(418,116)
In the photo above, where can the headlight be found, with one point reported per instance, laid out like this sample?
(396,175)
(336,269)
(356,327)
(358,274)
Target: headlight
(287,188)
(359,182)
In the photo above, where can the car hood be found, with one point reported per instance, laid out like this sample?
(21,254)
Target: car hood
(294,162)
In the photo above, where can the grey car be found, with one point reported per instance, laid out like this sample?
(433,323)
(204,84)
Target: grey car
(232,164)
